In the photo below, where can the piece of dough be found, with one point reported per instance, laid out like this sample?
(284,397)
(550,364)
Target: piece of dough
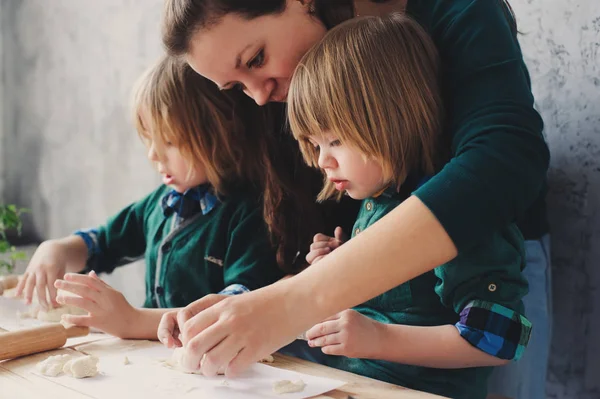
(126,361)
(287,386)
(175,363)
(53,365)
(52,315)
(55,315)
(82,367)
(268,359)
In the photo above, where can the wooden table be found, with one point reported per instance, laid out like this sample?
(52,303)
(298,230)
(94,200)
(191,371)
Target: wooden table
(17,381)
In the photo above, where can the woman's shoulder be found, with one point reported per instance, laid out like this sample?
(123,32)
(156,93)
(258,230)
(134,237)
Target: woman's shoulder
(438,15)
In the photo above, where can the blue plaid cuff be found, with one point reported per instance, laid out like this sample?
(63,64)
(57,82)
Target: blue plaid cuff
(90,237)
(234,289)
(494,329)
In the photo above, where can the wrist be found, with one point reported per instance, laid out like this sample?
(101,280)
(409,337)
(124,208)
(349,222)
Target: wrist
(131,322)
(75,252)
(381,342)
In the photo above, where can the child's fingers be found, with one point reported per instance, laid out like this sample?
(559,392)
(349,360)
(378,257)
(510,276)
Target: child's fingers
(320,245)
(168,329)
(324,328)
(21,285)
(321,237)
(86,280)
(338,234)
(315,255)
(78,320)
(82,290)
(325,340)
(29,286)
(79,302)
(335,350)
(52,289)
(40,289)
(334,317)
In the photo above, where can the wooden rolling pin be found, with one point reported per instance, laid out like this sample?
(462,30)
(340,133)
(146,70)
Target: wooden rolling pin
(37,339)
(8,282)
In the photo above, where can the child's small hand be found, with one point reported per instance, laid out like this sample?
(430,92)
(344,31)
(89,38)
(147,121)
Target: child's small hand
(49,262)
(323,245)
(168,330)
(348,333)
(108,310)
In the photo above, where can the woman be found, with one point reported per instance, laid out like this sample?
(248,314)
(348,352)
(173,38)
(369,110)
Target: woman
(496,174)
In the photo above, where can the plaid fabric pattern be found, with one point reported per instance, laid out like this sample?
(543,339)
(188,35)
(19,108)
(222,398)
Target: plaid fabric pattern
(189,203)
(494,329)
(234,289)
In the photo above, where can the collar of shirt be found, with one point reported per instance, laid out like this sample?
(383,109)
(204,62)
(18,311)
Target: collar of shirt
(189,203)
(411,184)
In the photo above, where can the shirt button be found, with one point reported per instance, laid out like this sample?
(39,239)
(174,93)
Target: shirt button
(167,246)
(369,206)
(356,231)
(160,290)
(492,287)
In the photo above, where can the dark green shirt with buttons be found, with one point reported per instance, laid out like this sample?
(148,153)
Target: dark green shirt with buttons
(191,258)
(489,272)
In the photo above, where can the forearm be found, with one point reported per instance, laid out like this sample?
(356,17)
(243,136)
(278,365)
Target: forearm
(407,242)
(436,347)
(144,323)
(78,253)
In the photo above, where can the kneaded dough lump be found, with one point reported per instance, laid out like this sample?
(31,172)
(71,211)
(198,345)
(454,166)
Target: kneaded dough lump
(82,367)
(76,367)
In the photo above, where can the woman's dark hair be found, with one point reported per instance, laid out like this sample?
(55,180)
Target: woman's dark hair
(182,18)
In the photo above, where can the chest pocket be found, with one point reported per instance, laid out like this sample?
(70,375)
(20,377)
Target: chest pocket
(394,300)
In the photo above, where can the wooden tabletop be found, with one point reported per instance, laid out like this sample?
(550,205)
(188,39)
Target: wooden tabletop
(17,380)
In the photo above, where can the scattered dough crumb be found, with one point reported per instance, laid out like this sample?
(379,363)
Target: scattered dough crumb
(268,359)
(53,365)
(82,367)
(224,383)
(126,361)
(287,386)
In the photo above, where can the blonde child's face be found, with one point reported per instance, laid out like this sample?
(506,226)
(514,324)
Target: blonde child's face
(345,166)
(174,169)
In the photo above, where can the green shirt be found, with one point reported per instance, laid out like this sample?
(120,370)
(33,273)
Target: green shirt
(500,158)
(201,255)
(490,271)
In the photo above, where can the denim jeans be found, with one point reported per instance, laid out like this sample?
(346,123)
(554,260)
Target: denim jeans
(526,378)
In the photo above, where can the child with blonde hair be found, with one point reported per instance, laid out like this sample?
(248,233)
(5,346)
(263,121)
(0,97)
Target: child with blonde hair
(377,137)
(201,231)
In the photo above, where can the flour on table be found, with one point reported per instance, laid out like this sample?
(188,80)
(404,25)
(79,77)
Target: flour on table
(287,386)
(82,367)
(76,367)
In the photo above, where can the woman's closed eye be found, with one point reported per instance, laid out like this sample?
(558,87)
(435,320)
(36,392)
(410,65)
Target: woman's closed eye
(256,61)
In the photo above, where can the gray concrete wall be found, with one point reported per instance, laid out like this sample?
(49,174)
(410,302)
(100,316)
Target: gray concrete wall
(71,155)
(561,43)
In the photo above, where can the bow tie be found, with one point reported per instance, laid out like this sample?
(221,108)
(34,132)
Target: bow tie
(184,205)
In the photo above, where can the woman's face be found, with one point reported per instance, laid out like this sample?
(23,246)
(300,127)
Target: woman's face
(259,55)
